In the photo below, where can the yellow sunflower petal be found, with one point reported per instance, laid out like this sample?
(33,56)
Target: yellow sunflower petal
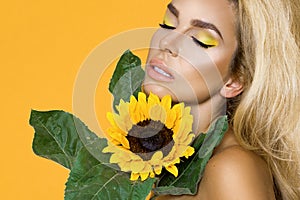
(171,117)
(158,113)
(107,150)
(123,119)
(188,140)
(111,120)
(172,155)
(120,139)
(133,156)
(120,123)
(125,166)
(117,130)
(166,102)
(137,166)
(111,148)
(152,175)
(188,152)
(187,111)
(142,104)
(137,116)
(147,168)
(142,97)
(125,142)
(144,176)
(173,170)
(115,158)
(133,109)
(176,128)
(134,176)
(157,159)
(116,143)
(157,156)
(180,149)
(153,100)
(177,160)
(125,154)
(182,128)
(188,123)
(178,108)
(158,169)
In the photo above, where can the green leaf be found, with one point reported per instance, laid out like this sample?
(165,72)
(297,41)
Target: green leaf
(214,137)
(165,190)
(56,136)
(127,78)
(127,61)
(191,170)
(90,179)
(129,84)
(63,138)
(140,190)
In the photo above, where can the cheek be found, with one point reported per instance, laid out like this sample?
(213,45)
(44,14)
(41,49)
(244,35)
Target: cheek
(204,75)
(223,56)
(222,62)
(200,82)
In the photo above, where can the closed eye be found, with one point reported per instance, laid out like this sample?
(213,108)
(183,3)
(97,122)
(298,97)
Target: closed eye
(167,26)
(206,46)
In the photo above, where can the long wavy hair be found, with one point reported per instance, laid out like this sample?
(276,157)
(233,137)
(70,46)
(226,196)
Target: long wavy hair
(266,116)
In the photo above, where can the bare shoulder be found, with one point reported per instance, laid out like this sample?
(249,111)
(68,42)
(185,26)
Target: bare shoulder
(236,173)
(233,173)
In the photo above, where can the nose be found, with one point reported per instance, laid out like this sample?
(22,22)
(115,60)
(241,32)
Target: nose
(169,43)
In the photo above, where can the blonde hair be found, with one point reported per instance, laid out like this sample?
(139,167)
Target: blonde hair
(267,118)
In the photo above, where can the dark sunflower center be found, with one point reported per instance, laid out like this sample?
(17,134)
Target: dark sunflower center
(148,136)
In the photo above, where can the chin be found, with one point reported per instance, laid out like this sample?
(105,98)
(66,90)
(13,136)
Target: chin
(160,91)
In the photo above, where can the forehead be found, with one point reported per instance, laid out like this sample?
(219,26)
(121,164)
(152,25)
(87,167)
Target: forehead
(218,12)
(218,7)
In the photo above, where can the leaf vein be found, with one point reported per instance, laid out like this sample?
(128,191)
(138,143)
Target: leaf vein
(62,149)
(104,186)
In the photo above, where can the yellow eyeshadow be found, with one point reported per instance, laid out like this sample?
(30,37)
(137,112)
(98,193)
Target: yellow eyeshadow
(207,38)
(167,21)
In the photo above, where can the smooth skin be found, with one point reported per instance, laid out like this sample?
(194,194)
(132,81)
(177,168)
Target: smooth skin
(232,173)
(198,76)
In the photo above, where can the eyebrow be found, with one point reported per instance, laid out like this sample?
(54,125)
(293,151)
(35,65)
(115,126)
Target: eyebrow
(173,9)
(206,25)
(195,22)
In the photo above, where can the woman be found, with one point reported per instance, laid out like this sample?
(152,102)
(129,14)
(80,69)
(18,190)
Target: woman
(245,52)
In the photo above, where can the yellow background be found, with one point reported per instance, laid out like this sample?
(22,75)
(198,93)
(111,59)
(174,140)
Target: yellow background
(42,45)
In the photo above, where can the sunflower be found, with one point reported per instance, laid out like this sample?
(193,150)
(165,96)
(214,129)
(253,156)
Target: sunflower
(149,134)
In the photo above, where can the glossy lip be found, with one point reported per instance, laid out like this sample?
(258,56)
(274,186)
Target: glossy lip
(156,75)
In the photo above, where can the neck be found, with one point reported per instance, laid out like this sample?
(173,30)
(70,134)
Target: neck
(206,112)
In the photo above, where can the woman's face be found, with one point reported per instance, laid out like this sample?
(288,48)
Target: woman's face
(191,53)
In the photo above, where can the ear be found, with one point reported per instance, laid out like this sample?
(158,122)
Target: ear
(231,88)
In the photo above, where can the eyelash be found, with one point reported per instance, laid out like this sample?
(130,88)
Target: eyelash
(194,39)
(167,26)
(206,46)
